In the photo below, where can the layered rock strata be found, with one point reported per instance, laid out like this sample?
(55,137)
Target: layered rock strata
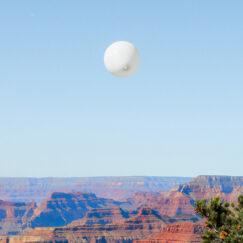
(179,232)
(141,226)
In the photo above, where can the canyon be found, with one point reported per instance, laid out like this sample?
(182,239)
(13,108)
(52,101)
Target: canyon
(14,216)
(183,232)
(146,223)
(142,217)
(38,189)
(62,208)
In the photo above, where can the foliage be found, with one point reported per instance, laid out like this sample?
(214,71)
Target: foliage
(224,220)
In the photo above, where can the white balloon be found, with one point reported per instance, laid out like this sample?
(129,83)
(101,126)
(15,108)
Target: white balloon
(122,59)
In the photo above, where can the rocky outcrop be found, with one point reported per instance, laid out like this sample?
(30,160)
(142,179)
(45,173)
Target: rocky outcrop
(227,183)
(172,205)
(179,232)
(178,204)
(103,216)
(38,189)
(14,216)
(228,187)
(63,208)
(141,226)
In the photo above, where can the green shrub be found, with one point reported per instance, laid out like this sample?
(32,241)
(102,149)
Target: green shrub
(224,220)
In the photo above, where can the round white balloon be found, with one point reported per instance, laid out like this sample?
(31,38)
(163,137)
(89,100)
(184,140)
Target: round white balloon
(122,59)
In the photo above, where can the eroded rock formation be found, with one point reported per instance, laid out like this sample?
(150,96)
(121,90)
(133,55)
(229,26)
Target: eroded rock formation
(179,232)
(14,216)
(103,216)
(141,226)
(63,208)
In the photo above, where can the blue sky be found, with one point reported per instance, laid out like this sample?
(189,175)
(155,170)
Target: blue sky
(63,114)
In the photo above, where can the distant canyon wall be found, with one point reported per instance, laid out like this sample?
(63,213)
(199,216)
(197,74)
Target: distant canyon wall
(38,189)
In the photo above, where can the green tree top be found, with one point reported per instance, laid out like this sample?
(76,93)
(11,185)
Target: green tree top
(224,220)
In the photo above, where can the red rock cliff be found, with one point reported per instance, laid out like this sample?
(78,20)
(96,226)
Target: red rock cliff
(14,216)
(63,208)
(180,232)
(141,226)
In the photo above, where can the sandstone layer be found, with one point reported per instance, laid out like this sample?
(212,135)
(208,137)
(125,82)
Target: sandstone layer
(175,205)
(103,216)
(179,232)
(228,187)
(141,226)
(63,208)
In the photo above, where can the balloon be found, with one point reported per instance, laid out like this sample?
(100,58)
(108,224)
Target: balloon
(122,59)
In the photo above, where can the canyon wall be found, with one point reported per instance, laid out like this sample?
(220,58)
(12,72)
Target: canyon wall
(38,189)
(148,217)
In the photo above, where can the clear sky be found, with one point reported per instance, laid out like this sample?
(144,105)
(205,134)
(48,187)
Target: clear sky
(63,114)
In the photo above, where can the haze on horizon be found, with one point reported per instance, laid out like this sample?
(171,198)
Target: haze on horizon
(63,114)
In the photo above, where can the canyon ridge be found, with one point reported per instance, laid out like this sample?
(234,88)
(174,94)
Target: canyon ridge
(119,209)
